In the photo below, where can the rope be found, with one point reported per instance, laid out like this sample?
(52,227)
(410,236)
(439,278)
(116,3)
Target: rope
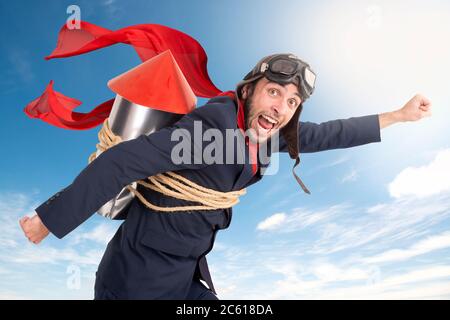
(171,184)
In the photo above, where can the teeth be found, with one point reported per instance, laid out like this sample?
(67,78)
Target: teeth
(271,120)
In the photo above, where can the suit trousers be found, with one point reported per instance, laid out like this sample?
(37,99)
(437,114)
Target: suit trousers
(198,291)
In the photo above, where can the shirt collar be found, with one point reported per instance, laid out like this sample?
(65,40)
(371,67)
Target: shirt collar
(240,117)
(240,120)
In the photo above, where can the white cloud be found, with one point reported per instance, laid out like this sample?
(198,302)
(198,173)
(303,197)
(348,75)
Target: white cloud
(112,8)
(16,248)
(280,274)
(352,176)
(387,224)
(273,222)
(430,282)
(324,256)
(299,218)
(338,161)
(376,208)
(423,181)
(424,246)
(20,260)
(12,207)
(100,234)
(424,274)
(32,254)
(328,272)
(343,227)
(20,64)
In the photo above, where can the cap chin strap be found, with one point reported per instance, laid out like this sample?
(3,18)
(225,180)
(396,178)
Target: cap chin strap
(291,136)
(300,182)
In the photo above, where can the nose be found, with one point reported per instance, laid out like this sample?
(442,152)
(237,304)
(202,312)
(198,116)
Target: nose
(279,107)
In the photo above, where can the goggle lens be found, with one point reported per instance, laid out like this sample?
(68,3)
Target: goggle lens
(310,78)
(282,66)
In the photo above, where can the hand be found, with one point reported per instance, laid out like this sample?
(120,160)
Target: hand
(33,228)
(415,109)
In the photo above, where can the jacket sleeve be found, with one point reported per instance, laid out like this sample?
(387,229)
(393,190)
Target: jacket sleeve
(115,168)
(336,134)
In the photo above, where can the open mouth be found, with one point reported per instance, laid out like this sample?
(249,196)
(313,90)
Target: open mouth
(266,122)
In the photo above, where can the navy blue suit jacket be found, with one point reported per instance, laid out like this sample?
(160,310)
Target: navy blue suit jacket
(154,254)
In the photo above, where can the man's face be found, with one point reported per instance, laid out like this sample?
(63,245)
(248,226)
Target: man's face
(269,107)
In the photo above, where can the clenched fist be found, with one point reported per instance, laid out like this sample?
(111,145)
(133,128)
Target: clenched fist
(34,229)
(415,109)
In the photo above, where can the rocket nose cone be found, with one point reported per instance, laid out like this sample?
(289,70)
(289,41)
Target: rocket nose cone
(157,83)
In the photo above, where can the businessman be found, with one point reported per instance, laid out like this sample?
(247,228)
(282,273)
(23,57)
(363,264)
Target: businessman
(161,255)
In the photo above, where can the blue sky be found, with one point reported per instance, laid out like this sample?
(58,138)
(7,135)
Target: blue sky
(377,222)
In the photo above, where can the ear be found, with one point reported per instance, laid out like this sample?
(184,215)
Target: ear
(244,91)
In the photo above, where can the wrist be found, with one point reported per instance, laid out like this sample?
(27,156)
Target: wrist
(397,116)
(41,224)
(389,118)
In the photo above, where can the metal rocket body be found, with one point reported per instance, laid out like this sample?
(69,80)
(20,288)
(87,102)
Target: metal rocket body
(149,97)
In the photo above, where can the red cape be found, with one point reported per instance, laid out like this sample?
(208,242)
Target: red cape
(148,40)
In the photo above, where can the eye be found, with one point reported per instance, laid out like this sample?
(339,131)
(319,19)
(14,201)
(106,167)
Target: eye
(273,92)
(293,103)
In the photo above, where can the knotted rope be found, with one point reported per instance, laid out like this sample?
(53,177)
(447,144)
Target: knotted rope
(171,184)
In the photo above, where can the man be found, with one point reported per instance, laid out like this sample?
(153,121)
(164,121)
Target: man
(160,255)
